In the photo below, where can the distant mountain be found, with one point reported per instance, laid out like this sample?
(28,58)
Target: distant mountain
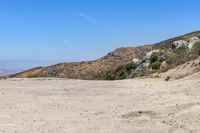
(24,64)
(9,67)
(5,72)
(94,69)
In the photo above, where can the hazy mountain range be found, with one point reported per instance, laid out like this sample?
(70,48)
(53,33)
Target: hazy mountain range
(8,67)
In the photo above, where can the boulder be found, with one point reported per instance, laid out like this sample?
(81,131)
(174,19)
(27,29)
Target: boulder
(149,54)
(178,44)
(143,66)
(192,42)
(146,61)
(163,65)
(136,61)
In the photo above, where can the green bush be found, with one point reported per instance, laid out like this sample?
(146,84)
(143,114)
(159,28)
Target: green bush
(110,75)
(154,57)
(196,49)
(182,49)
(156,65)
(120,73)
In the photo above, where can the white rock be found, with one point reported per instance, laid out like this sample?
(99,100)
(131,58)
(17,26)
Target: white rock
(163,65)
(136,61)
(192,42)
(195,39)
(149,54)
(180,43)
(146,64)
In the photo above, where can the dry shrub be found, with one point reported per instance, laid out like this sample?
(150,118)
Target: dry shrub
(32,75)
(195,52)
(167,78)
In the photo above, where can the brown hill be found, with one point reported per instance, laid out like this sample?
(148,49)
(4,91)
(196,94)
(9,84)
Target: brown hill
(92,69)
(88,69)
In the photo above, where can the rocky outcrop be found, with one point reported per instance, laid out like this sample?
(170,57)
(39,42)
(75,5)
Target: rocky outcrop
(149,54)
(183,43)
(144,63)
(137,61)
(192,42)
(178,44)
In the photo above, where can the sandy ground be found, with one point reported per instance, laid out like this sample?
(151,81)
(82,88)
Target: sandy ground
(75,106)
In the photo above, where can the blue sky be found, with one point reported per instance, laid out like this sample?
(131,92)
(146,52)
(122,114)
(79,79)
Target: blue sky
(74,30)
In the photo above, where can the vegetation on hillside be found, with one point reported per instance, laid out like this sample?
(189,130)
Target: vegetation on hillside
(172,59)
(121,72)
(196,49)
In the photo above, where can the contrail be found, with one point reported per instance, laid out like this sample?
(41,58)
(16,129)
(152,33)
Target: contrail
(87,17)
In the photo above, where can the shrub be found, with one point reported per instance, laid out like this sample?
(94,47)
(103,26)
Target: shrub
(167,78)
(31,75)
(125,71)
(110,75)
(156,65)
(179,57)
(196,49)
(182,49)
(154,57)
(120,73)
(170,57)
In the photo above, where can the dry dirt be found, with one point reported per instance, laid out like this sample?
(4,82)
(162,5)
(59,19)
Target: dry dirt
(183,70)
(77,106)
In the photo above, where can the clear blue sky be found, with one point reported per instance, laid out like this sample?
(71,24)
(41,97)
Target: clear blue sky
(74,30)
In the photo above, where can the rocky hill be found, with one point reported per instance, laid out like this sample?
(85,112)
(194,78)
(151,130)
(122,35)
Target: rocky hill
(163,57)
(119,59)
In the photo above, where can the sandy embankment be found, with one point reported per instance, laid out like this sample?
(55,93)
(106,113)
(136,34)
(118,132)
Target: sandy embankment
(75,106)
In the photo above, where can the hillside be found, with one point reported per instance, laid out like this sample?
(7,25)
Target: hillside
(168,43)
(88,69)
(184,70)
(99,68)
